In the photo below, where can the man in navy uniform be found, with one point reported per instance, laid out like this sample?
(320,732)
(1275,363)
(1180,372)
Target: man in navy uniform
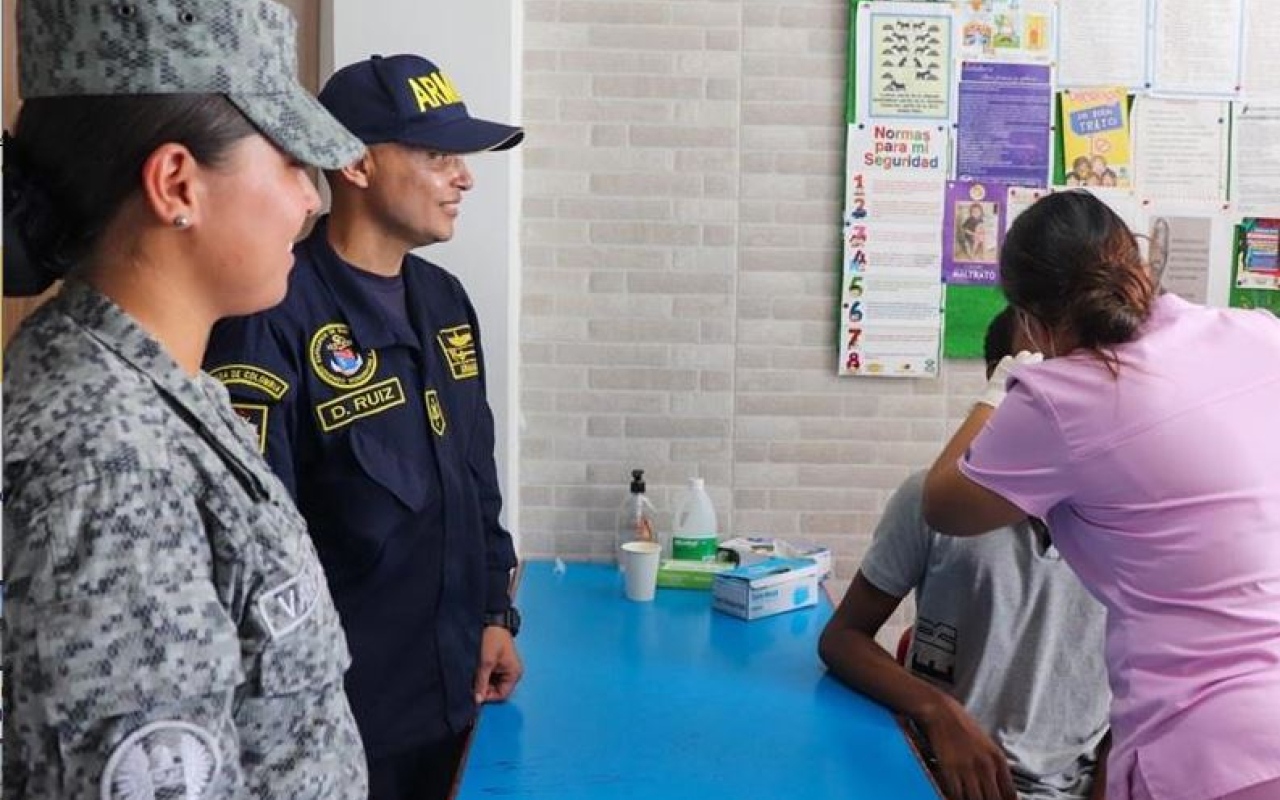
(366,389)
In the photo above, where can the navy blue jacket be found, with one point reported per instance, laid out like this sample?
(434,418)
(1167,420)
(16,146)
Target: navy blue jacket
(383,434)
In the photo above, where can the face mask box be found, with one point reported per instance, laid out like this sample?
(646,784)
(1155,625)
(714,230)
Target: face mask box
(769,587)
(747,550)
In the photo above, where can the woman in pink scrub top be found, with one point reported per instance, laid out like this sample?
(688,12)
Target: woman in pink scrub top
(1149,440)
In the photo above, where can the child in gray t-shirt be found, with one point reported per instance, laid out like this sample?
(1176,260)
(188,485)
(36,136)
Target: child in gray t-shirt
(1005,675)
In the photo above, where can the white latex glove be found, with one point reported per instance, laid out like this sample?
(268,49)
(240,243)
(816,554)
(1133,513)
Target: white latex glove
(993,395)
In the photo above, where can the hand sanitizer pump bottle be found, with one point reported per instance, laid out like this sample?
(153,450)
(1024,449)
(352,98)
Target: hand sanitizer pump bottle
(636,521)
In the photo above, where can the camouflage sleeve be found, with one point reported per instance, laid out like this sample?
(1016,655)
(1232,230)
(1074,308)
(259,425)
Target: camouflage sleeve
(125,660)
(254,360)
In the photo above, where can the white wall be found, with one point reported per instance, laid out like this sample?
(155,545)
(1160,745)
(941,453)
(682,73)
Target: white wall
(681,220)
(477,44)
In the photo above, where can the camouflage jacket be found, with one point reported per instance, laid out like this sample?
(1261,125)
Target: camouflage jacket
(170,632)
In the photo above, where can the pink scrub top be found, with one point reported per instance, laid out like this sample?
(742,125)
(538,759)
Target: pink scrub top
(1162,489)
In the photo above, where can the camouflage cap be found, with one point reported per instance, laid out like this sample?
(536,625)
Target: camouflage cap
(243,49)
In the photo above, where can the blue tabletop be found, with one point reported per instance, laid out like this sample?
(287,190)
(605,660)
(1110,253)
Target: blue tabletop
(672,700)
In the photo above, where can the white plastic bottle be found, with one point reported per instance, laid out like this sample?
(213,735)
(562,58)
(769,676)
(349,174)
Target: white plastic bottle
(636,521)
(694,533)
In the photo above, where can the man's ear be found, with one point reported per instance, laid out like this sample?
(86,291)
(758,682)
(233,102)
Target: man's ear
(170,178)
(359,172)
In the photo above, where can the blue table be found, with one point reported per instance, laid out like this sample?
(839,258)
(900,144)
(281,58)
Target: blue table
(673,700)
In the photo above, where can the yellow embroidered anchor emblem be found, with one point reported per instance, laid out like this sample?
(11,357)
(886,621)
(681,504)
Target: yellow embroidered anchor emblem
(435,412)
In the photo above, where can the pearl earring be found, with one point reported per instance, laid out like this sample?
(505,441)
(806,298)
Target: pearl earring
(181,222)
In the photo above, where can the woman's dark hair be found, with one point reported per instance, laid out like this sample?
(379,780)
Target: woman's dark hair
(998,342)
(73,162)
(1070,261)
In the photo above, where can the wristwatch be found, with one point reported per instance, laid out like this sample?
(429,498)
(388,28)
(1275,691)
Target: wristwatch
(509,619)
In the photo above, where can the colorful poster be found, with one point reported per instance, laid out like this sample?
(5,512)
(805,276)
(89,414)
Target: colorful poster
(1196,48)
(1102,43)
(1255,176)
(1004,123)
(1258,254)
(1180,148)
(972,232)
(891,291)
(907,61)
(1014,30)
(1264,297)
(1095,137)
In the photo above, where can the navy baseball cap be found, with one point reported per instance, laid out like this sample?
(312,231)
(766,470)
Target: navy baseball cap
(407,100)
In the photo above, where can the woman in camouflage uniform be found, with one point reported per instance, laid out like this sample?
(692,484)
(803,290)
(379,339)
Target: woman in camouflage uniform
(170,630)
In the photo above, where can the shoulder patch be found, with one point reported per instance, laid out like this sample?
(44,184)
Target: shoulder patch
(254,377)
(167,759)
(288,605)
(459,347)
(337,360)
(256,417)
(435,412)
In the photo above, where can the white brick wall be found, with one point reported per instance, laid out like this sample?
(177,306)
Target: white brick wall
(682,200)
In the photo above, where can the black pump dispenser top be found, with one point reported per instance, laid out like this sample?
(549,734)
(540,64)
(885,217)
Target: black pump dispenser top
(637,481)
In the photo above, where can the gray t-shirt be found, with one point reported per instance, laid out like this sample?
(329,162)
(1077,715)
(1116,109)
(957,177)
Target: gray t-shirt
(1004,626)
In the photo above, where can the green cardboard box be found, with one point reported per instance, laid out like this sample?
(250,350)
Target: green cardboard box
(674,574)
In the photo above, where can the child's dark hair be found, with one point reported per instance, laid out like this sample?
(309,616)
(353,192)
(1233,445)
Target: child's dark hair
(998,342)
(1071,262)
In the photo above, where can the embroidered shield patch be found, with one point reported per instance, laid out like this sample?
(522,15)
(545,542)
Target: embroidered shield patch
(337,360)
(161,760)
(256,417)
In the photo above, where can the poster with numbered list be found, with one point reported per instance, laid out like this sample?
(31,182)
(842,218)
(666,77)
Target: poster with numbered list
(891,291)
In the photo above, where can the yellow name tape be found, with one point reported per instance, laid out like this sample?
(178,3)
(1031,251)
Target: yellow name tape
(348,408)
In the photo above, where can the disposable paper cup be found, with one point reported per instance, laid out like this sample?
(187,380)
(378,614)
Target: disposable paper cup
(641,562)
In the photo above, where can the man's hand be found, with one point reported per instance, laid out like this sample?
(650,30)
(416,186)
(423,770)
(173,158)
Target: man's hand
(500,667)
(972,766)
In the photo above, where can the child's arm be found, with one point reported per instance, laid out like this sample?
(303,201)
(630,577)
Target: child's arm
(971,765)
(1099,790)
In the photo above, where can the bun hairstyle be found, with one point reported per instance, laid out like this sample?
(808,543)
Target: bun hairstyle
(1070,261)
(74,161)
